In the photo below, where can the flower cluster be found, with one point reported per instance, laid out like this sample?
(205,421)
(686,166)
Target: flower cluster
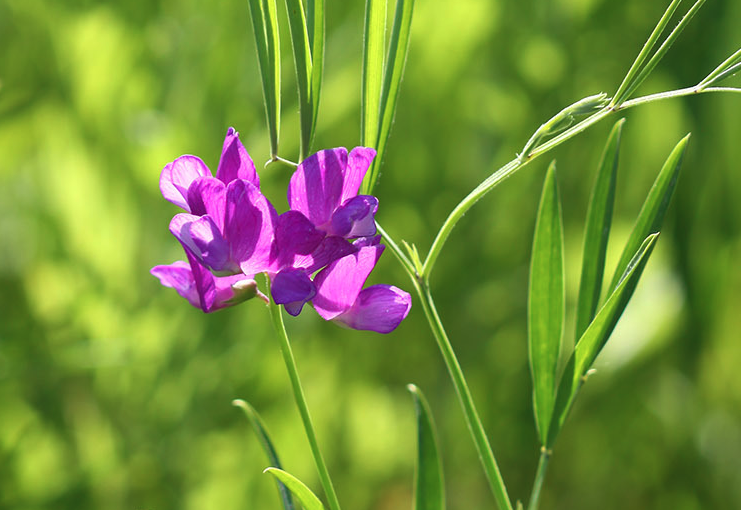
(320,251)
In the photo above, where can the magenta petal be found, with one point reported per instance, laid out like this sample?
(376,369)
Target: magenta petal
(378,308)
(179,276)
(358,162)
(356,217)
(249,221)
(177,177)
(235,162)
(211,249)
(292,288)
(339,284)
(207,195)
(296,235)
(330,249)
(316,186)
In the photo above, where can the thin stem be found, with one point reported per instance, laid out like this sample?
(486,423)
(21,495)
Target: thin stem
(298,393)
(496,483)
(519,162)
(545,455)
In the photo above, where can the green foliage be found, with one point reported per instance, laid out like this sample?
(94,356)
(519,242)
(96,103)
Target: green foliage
(429,488)
(307,498)
(546,302)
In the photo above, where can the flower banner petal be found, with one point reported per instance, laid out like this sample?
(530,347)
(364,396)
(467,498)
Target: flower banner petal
(358,162)
(177,177)
(316,186)
(235,162)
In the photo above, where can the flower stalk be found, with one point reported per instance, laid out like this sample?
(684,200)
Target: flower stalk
(545,455)
(285,347)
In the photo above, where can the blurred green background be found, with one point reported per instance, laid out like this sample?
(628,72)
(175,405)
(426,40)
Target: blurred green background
(115,393)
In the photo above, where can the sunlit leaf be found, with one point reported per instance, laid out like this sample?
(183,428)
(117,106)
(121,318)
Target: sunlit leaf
(267,445)
(597,231)
(429,488)
(373,55)
(546,302)
(596,336)
(654,208)
(302,59)
(307,498)
(394,71)
(315,18)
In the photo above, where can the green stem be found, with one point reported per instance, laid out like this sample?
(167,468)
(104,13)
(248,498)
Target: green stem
(496,483)
(298,393)
(545,455)
(519,162)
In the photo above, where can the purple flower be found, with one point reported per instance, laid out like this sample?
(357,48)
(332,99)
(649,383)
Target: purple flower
(324,188)
(203,290)
(340,296)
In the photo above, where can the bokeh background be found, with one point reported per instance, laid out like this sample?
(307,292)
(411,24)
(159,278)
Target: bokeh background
(115,393)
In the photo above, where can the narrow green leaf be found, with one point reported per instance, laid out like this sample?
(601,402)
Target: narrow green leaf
(641,58)
(373,53)
(395,63)
(429,488)
(725,69)
(267,445)
(307,498)
(654,208)
(596,336)
(597,231)
(267,41)
(546,302)
(315,15)
(302,59)
(663,48)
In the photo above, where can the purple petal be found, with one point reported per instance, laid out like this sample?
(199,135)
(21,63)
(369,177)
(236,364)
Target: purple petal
(179,276)
(207,195)
(201,238)
(177,176)
(339,284)
(235,162)
(295,235)
(367,241)
(358,162)
(356,217)
(329,250)
(378,308)
(316,186)
(249,222)
(292,288)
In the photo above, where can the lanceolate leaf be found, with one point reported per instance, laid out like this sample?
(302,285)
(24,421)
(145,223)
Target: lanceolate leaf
(307,498)
(267,40)
(429,489)
(302,59)
(596,335)
(267,445)
(397,54)
(315,16)
(597,231)
(373,54)
(546,302)
(654,208)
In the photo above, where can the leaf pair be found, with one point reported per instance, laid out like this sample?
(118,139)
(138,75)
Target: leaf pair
(382,73)
(307,38)
(595,321)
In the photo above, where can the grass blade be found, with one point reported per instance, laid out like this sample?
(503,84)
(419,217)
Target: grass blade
(302,59)
(267,445)
(663,48)
(429,488)
(596,336)
(722,71)
(546,302)
(373,54)
(307,498)
(647,47)
(315,15)
(397,55)
(597,231)
(267,41)
(654,208)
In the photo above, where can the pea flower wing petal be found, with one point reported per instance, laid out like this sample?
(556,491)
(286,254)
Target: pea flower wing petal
(356,217)
(379,308)
(292,288)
